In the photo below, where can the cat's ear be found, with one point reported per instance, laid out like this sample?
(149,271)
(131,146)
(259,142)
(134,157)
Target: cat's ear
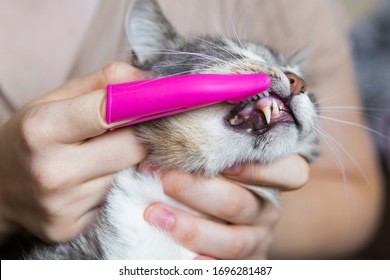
(150,34)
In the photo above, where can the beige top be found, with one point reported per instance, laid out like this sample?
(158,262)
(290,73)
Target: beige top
(45,43)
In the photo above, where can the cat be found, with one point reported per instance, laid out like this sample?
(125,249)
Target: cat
(265,128)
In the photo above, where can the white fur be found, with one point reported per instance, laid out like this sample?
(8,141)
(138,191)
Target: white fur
(135,238)
(195,141)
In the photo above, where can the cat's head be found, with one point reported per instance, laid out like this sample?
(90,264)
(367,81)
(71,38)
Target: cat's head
(271,125)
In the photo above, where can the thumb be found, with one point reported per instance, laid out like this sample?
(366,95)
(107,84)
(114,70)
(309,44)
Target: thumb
(117,72)
(286,174)
(76,111)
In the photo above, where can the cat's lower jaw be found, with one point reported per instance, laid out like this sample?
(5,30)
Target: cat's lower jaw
(128,236)
(121,233)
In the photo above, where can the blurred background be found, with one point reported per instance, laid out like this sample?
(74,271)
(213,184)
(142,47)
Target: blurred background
(370,39)
(360,8)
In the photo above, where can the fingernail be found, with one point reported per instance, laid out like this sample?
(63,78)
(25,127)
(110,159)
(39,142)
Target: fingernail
(159,217)
(234,170)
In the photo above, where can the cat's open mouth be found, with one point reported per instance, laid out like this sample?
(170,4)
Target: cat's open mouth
(260,113)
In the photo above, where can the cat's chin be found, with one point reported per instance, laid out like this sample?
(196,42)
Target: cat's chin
(260,114)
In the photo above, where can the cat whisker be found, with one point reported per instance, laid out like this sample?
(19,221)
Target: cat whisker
(176,52)
(215,60)
(329,142)
(201,55)
(346,152)
(353,108)
(367,115)
(224,50)
(355,125)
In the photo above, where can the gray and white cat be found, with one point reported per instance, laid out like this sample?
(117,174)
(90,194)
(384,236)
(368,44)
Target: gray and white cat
(205,141)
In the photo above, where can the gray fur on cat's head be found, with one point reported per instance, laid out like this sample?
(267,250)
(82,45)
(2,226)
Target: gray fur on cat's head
(211,139)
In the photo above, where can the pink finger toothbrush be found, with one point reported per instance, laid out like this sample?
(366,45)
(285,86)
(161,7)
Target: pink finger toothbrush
(141,101)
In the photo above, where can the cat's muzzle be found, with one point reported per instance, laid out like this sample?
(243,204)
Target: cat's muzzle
(260,113)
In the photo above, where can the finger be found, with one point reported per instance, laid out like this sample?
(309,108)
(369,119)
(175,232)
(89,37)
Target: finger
(67,231)
(75,113)
(91,194)
(105,154)
(72,202)
(201,257)
(286,174)
(117,72)
(71,211)
(71,120)
(217,197)
(206,237)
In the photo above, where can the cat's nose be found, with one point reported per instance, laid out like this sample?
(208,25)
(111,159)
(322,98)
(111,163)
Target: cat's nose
(297,84)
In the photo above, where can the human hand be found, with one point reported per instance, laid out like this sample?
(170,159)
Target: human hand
(241,224)
(57,161)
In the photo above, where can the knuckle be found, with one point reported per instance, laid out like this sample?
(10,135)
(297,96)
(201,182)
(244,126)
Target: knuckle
(175,185)
(59,226)
(190,234)
(273,217)
(42,179)
(56,232)
(301,175)
(137,148)
(50,232)
(236,247)
(50,210)
(115,69)
(126,140)
(48,177)
(30,129)
(235,206)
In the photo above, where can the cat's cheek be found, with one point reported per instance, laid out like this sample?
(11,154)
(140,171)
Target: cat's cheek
(305,114)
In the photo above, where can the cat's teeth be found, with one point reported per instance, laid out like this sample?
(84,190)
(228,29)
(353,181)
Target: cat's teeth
(236,121)
(266,93)
(267,113)
(275,108)
(247,109)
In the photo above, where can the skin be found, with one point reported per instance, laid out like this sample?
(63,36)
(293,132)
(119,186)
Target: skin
(325,219)
(248,223)
(345,212)
(329,218)
(338,210)
(50,182)
(55,193)
(55,208)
